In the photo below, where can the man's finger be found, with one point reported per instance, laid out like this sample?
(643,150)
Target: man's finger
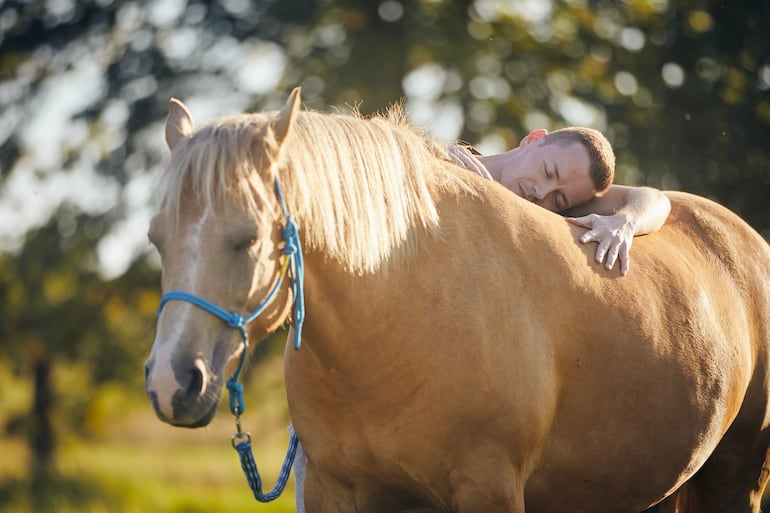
(601,251)
(585,221)
(624,261)
(612,256)
(588,236)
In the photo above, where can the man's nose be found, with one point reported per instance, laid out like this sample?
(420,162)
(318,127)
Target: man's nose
(539,193)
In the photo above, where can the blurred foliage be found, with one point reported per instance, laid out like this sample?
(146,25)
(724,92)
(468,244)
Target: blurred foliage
(55,301)
(681,88)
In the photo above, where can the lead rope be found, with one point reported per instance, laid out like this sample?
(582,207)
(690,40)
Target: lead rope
(241,440)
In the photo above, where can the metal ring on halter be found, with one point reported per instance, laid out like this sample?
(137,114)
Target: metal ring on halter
(241,436)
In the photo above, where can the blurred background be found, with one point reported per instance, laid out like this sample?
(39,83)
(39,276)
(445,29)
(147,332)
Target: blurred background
(680,87)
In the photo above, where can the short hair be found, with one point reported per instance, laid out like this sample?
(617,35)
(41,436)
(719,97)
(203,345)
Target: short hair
(600,154)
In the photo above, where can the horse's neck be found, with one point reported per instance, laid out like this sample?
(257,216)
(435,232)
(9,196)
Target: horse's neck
(382,335)
(339,304)
(444,270)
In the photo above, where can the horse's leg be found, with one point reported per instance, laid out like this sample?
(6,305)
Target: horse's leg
(331,496)
(300,463)
(727,485)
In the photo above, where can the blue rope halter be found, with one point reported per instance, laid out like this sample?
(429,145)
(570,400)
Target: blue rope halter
(241,440)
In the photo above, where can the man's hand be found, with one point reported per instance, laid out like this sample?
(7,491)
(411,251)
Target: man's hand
(616,217)
(463,157)
(614,235)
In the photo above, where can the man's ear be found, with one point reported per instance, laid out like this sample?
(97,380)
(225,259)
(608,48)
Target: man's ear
(534,136)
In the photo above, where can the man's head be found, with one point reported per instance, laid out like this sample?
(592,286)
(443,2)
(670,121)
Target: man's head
(600,153)
(557,170)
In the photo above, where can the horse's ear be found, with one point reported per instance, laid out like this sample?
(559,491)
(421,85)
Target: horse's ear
(284,119)
(179,123)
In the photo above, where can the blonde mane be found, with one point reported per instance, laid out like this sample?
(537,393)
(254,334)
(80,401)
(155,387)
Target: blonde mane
(358,188)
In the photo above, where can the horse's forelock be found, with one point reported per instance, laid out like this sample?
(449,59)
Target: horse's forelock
(222,161)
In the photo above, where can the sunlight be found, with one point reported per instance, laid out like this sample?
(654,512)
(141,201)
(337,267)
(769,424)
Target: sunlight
(531,11)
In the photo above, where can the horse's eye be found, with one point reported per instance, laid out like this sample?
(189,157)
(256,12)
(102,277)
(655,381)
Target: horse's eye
(245,244)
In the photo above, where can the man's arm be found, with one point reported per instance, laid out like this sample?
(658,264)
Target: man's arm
(616,217)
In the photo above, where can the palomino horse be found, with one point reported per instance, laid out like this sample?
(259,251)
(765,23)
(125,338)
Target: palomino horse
(461,351)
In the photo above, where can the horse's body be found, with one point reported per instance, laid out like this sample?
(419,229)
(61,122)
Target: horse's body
(482,361)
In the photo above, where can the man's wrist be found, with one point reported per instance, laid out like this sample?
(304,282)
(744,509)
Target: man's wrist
(628,221)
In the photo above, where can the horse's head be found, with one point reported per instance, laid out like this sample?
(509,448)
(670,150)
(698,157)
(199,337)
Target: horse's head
(218,233)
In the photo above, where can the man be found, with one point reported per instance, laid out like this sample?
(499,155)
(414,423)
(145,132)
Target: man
(570,171)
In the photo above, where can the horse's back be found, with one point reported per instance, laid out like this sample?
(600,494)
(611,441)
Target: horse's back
(733,261)
(706,259)
(714,229)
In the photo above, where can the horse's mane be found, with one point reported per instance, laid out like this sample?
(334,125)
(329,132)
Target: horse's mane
(358,187)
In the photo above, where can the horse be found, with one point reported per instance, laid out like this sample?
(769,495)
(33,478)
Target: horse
(461,351)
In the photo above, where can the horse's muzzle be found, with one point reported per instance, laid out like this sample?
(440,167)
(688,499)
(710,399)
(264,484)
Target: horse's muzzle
(192,400)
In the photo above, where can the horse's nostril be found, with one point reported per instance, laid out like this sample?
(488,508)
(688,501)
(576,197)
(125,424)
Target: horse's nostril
(198,379)
(196,382)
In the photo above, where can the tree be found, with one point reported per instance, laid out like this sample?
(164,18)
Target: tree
(55,307)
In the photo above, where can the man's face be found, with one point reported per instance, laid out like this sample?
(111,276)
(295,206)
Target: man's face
(553,176)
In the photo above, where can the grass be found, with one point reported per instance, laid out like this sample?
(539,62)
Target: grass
(119,477)
(133,463)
